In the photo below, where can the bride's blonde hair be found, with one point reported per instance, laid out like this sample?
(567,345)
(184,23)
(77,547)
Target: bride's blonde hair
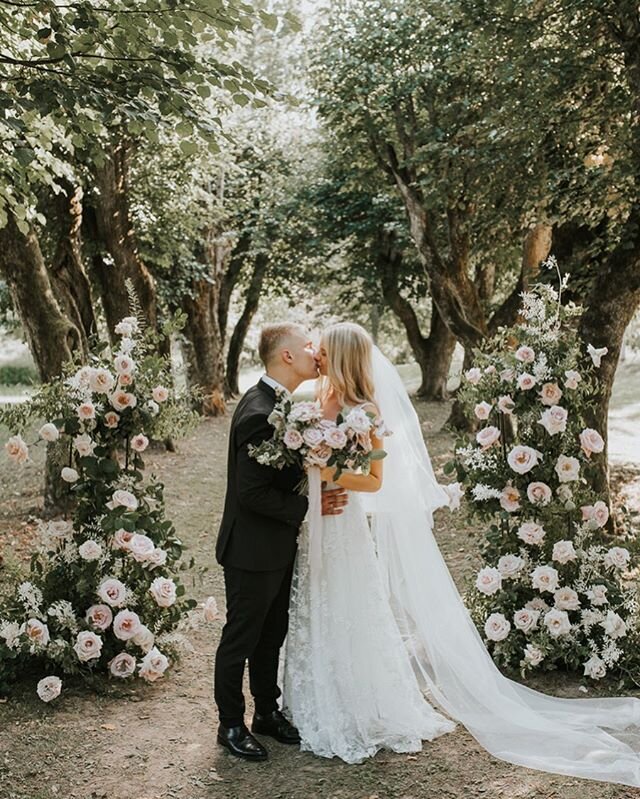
(349,363)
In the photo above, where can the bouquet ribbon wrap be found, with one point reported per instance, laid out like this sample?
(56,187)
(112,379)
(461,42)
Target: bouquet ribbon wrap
(314,520)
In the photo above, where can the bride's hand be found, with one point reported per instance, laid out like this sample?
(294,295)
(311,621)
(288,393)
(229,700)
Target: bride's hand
(327,474)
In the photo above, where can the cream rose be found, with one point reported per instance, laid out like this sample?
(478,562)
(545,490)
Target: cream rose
(88,646)
(510,499)
(312,436)
(539,493)
(69,475)
(111,419)
(526,381)
(488,581)
(566,599)
(122,539)
(522,459)
(597,595)
(506,404)
(36,631)
(17,449)
(595,668)
(591,441)
(557,622)
(160,394)
(567,469)
(126,625)
(141,547)
(508,375)
(496,627)
(49,432)
(49,688)
(613,625)
(156,558)
(101,381)
(144,638)
(482,410)
(358,421)
(510,565)
(334,437)
(122,665)
(123,364)
(525,354)
(124,499)
(531,533)
(572,378)
(99,616)
(84,445)
(90,550)
(319,455)
(139,442)
(533,655)
(125,380)
(474,376)
(537,603)
(563,552)
(550,394)
(113,592)
(544,578)
(554,420)
(617,557)
(86,411)
(121,400)
(526,619)
(488,436)
(153,666)
(163,590)
(293,439)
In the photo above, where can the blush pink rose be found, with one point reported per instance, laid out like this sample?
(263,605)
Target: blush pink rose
(488,436)
(550,394)
(99,616)
(482,410)
(525,354)
(111,419)
(539,493)
(126,625)
(510,499)
(123,665)
(526,381)
(17,449)
(591,441)
(293,439)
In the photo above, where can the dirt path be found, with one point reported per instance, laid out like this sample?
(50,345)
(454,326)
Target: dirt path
(158,742)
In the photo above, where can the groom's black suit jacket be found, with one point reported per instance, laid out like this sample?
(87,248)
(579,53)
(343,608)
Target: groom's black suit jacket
(263,511)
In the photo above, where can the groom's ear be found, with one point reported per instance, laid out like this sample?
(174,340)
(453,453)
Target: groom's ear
(287,357)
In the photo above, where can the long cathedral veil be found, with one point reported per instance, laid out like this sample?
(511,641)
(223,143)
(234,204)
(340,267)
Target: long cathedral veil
(591,738)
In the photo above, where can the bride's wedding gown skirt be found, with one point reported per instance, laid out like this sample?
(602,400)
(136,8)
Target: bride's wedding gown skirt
(348,684)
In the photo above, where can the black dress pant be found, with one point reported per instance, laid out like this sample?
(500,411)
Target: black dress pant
(256,626)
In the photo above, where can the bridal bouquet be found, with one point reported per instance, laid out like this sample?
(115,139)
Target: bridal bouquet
(301,437)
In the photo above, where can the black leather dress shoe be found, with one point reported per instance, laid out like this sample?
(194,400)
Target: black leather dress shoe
(240,742)
(277,726)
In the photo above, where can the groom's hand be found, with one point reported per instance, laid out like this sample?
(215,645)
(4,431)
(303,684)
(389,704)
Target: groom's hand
(333,501)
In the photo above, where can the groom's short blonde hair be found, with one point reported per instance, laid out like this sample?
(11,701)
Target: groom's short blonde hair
(272,337)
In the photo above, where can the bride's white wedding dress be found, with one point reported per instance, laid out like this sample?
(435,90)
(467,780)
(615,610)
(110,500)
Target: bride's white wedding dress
(348,683)
(592,738)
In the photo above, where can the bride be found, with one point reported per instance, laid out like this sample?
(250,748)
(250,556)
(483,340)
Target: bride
(350,685)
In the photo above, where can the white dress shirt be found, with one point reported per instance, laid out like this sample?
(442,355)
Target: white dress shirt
(274,384)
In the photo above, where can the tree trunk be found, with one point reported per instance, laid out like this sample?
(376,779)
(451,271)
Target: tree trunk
(433,353)
(67,273)
(608,311)
(236,342)
(115,232)
(229,281)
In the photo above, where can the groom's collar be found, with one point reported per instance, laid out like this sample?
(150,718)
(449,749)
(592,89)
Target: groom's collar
(273,385)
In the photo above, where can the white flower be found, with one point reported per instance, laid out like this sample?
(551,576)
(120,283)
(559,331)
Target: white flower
(49,432)
(84,445)
(153,407)
(160,394)
(482,410)
(488,436)
(563,552)
(567,468)
(121,400)
(566,599)
(550,394)
(144,639)
(126,625)
(496,627)
(522,459)
(474,376)
(510,565)
(293,439)
(596,354)
(10,631)
(510,499)
(525,354)
(539,493)
(481,492)
(544,578)
(113,592)
(156,558)
(526,619)
(306,412)
(101,381)
(37,633)
(488,581)
(49,688)
(613,625)
(595,668)
(572,379)
(591,441)
(141,547)
(507,375)
(526,381)
(86,411)
(554,420)
(557,622)
(598,513)
(111,419)
(531,533)
(99,616)
(139,443)
(124,365)
(597,595)
(69,475)
(88,646)
(153,666)
(90,550)
(17,449)
(506,404)
(210,609)
(358,421)
(455,492)
(533,655)
(617,557)
(122,539)
(334,437)
(125,499)
(163,590)
(537,603)
(122,665)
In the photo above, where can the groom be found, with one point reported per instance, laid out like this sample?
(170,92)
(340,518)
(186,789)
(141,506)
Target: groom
(257,546)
